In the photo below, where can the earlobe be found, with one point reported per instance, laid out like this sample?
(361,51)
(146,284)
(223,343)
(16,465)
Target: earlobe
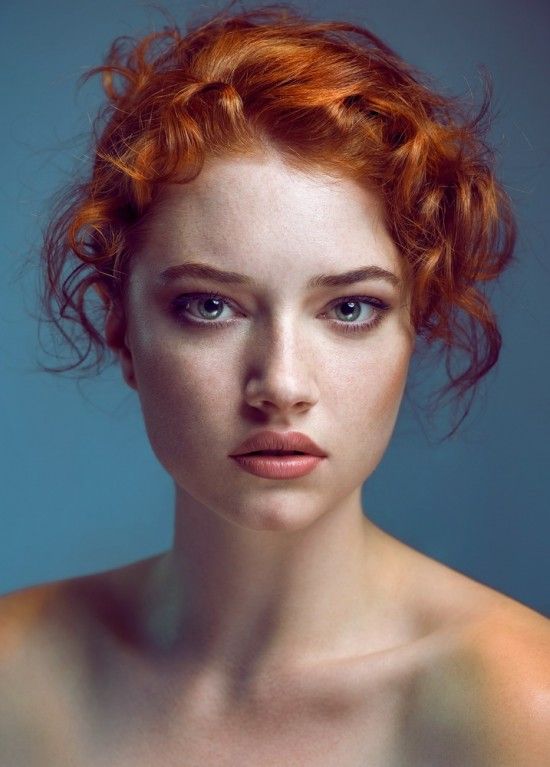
(116,339)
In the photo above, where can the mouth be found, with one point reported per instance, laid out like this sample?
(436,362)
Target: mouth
(278,443)
(278,464)
(275,452)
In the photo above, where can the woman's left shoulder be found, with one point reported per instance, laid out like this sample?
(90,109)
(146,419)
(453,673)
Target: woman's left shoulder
(506,657)
(512,643)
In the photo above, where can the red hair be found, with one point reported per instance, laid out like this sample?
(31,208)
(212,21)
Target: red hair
(328,96)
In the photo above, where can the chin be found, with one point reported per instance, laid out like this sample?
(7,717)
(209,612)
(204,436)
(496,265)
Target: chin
(276,517)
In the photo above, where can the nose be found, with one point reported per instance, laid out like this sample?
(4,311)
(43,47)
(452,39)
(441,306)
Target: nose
(281,375)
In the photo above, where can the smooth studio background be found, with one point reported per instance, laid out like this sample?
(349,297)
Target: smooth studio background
(80,489)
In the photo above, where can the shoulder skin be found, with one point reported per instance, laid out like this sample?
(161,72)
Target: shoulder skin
(491,695)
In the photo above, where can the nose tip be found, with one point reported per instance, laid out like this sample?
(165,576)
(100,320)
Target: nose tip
(281,401)
(280,386)
(282,375)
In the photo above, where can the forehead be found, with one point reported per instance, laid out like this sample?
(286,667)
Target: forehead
(260,215)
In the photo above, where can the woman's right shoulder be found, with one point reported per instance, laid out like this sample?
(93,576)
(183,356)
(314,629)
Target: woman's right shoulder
(37,665)
(24,614)
(36,621)
(47,636)
(63,614)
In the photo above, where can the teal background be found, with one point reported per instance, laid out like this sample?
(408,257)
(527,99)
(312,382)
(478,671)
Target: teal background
(80,489)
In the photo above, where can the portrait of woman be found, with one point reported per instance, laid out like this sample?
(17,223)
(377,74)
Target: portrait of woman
(279,217)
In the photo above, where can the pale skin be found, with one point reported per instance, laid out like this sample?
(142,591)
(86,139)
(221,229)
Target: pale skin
(284,626)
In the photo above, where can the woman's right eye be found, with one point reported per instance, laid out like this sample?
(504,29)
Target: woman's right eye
(209,308)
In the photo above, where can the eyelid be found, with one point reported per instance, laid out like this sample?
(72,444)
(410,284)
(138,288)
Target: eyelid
(373,300)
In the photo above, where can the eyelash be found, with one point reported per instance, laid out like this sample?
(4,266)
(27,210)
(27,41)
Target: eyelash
(181,302)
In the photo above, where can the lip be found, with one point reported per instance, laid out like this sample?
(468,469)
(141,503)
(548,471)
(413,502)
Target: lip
(278,466)
(279,440)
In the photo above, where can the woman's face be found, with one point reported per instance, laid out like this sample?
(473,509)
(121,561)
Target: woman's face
(276,354)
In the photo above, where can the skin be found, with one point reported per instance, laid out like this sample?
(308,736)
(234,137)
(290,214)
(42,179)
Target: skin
(283,619)
(280,565)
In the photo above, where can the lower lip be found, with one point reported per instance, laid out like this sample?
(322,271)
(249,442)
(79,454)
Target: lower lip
(278,466)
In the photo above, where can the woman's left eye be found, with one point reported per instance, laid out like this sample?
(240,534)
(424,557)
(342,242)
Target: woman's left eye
(211,306)
(350,308)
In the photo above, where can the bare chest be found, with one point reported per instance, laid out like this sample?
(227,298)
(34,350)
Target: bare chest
(112,728)
(290,732)
(383,729)
(368,715)
(387,725)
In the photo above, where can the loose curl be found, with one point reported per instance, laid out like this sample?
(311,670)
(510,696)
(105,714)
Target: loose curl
(328,96)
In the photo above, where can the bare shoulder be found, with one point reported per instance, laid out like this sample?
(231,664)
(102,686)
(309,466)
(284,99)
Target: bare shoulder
(512,649)
(62,625)
(40,641)
(514,640)
(28,676)
(51,638)
(505,637)
(22,613)
(491,690)
(29,610)
(481,693)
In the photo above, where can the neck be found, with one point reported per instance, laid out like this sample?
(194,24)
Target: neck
(247,600)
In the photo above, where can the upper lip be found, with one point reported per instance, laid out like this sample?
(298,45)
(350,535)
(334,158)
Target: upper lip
(279,440)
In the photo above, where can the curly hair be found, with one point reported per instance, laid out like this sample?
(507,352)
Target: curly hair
(329,96)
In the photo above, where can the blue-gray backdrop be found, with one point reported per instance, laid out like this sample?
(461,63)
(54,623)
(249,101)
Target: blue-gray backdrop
(80,489)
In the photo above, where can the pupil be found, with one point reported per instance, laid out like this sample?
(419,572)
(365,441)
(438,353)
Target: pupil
(215,301)
(351,305)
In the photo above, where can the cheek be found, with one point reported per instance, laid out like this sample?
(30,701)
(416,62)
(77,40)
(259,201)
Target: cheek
(372,382)
(388,379)
(184,393)
(370,395)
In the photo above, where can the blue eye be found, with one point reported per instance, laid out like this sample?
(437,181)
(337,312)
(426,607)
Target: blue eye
(352,309)
(211,305)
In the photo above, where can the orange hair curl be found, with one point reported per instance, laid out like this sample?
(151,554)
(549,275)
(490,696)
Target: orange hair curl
(328,96)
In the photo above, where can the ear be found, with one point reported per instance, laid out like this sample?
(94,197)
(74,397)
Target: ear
(116,336)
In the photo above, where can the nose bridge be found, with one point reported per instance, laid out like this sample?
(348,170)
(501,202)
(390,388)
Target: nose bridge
(281,370)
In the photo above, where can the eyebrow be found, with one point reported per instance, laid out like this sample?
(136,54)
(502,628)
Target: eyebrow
(196,269)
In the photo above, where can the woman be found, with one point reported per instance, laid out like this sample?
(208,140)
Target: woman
(278,211)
